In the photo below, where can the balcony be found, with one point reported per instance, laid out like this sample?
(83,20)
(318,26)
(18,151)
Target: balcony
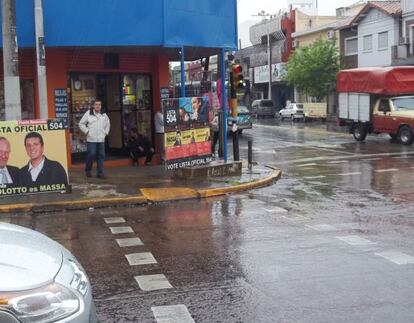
(272,27)
(402,54)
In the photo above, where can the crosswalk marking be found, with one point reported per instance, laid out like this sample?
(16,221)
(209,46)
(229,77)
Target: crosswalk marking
(397,257)
(140,258)
(119,230)
(113,220)
(172,314)
(322,227)
(386,170)
(355,240)
(153,282)
(129,242)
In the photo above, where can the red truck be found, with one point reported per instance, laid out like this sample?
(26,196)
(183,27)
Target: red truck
(377,100)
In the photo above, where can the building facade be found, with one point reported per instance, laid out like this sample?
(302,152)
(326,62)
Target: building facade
(117,53)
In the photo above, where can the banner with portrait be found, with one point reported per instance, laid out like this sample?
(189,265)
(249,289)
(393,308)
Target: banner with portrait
(33,157)
(187,137)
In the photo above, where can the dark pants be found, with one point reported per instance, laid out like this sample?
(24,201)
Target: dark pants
(214,142)
(96,150)
(136,153)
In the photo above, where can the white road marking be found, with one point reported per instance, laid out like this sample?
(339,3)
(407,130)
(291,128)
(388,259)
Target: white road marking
(305,165)
(153,282)
(129,242)
(355,240)
(349,174)
(397,257)
(386,170)
(108,212)
(172,314)
(276,209)
(113,220)
(314,177)
(140,258)
(322,227)
(401,157)
(338,162)
(119,230)
(371,159)
(295,217)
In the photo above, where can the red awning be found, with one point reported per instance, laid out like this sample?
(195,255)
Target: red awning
(377,80)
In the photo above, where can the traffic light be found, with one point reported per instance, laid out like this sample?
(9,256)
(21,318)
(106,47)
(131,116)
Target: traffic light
(238,77)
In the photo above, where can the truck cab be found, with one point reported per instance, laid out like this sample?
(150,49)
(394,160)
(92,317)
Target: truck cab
(395,116)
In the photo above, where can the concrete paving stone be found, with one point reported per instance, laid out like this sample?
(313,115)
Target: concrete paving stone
(172,314)
(153,282)
(120,230)
(140,258)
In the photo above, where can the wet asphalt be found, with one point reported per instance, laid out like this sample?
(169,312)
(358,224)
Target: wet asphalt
(331,241)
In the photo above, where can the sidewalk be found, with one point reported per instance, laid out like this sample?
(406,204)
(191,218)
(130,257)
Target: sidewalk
(137,185)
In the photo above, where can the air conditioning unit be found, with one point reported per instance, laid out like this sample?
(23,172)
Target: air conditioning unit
(295,43)
(330,34)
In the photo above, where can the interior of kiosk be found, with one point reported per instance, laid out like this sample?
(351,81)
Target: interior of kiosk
(127,100)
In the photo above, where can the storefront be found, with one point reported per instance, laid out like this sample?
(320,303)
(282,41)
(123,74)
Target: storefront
(118,54)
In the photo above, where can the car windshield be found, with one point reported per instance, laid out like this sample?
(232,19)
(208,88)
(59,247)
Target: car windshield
(266,103)
(299,106)
(406,103)
(242,109)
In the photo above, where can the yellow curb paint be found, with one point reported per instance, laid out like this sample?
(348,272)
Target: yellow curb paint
(241,187)
(168,194)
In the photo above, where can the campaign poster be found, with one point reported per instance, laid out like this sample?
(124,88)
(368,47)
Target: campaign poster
(33,157)
(187,132)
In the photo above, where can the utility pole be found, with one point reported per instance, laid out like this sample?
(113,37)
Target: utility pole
(13,107)
(41,59)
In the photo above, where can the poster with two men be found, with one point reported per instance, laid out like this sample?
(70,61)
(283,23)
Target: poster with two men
(32,157)
(187,138)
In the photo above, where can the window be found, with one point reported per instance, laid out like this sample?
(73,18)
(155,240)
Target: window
(367,43)
(383,40)
(351,46)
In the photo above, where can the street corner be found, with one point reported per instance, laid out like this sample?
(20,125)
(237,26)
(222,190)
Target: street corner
(168,194)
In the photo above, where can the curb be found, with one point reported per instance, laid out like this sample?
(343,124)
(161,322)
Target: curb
(178,195)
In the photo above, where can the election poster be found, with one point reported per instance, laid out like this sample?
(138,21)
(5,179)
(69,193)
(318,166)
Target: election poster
(187,138)
(33,157)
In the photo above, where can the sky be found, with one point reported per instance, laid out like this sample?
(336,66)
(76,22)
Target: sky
(247,8)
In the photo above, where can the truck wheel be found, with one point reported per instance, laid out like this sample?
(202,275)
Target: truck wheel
(359,132)
(405,135)
(394,138)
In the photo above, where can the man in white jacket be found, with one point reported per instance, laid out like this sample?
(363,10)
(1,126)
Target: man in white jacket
(95,125)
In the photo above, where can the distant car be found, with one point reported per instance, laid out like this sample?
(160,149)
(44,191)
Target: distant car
(292,111)
(244,120)
(263,108)
(41,281)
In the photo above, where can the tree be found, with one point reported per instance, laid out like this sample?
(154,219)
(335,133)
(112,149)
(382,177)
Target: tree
(313,68)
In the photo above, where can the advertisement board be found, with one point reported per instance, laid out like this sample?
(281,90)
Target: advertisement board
(32,157)
(187,138)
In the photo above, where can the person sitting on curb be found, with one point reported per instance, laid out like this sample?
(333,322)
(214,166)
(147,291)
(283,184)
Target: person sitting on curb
(139,146)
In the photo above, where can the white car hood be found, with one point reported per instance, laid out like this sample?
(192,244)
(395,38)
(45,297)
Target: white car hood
(28,259)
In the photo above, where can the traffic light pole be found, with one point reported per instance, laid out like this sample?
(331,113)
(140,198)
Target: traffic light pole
(235,135)
(223,103)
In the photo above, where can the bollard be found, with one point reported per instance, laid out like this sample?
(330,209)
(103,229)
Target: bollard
(236,155)
(250,154)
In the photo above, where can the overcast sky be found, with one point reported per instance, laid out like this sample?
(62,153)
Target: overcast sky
(247,8)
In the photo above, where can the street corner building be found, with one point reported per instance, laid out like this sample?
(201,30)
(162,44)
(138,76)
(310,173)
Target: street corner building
(117,52)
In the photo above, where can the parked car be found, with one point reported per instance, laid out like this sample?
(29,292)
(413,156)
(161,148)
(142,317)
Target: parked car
(244,120)
(41,281)
(263,108)
(293,111)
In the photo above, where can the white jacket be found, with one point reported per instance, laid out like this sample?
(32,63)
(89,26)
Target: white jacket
(95,126)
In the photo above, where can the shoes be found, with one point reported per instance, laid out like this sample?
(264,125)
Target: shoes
(88,174)
(101,176)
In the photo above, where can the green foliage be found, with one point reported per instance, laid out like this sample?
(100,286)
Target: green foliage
(313,68)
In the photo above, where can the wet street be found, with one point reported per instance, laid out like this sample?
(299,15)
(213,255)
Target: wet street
(331,241)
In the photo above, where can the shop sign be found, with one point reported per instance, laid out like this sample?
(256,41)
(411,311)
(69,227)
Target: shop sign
(61,105)
(165,93)
(32,143)
(187,137)
(261,73)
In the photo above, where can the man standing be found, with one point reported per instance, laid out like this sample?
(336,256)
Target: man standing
(95,125)
(159,131)
(40,170)
(9,175)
